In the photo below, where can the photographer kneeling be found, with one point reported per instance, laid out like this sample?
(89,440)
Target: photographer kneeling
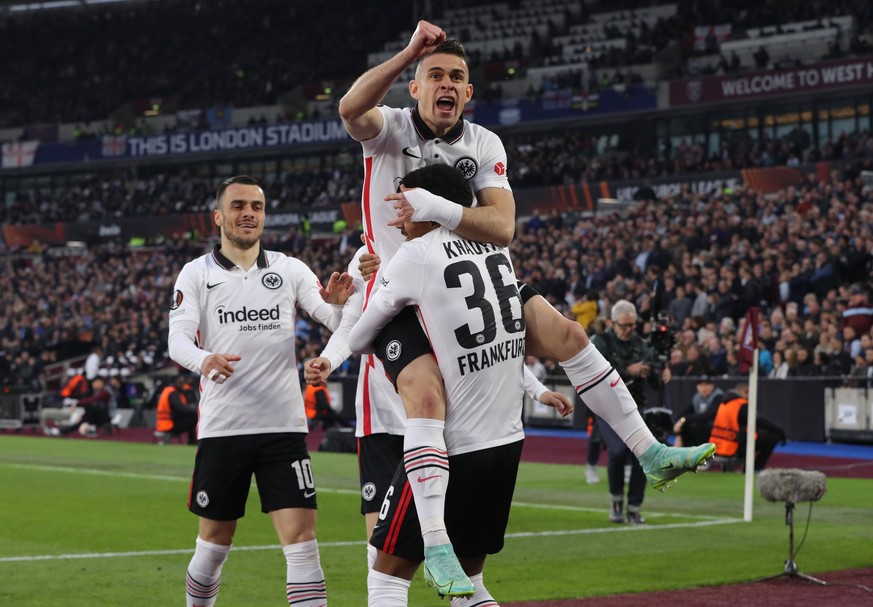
(634,360)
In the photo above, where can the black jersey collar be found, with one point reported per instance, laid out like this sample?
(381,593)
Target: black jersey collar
(227,264)
(454,134)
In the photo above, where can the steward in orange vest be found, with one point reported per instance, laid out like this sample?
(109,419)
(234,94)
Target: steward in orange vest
(77,387)
(165,412)
(316,399)
(174,414)
(726,428)
(729,429)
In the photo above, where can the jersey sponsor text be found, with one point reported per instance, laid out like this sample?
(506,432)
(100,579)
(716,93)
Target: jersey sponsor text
(244,314)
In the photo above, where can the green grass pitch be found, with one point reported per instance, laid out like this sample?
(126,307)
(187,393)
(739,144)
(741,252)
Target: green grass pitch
(89,523)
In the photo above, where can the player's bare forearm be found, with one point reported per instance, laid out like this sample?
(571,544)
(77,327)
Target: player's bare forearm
(494,223)
(357,107)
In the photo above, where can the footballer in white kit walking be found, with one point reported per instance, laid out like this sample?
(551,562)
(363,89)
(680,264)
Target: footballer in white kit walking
(232,320)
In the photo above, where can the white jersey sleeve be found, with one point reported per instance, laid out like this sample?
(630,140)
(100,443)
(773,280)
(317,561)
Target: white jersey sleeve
(309,298)
(378,408)
(533,386)
(492,171)
(337,348)
(185,319)
(403,288)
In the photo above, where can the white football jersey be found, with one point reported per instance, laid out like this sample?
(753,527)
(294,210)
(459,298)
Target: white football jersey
(404,144)
(469,306)
(220,308)
(378,408)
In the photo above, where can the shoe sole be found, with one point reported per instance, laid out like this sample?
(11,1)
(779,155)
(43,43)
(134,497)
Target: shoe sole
(664,484)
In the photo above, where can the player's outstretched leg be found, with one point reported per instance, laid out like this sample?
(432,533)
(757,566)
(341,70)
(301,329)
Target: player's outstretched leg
(604,392)
(663,464)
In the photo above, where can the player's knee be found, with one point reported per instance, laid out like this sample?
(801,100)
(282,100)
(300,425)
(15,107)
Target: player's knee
(571,340)
(429,403)
(576,335)
(420,387)
(423,400)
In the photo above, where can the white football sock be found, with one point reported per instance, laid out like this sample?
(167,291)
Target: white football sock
(386,590)
(203,577)
(482,598)
(427,468)
(605,393)
(305,578)
(371,556)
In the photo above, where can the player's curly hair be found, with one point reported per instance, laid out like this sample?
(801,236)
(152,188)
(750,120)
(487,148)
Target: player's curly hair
(442,180)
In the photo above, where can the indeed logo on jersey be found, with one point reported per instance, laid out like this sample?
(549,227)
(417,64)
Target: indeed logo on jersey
(246,315)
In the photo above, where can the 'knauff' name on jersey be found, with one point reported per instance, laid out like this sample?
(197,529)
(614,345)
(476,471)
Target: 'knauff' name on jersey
(457,248)
(246,315)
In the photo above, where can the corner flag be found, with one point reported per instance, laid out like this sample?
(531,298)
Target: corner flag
(749,339)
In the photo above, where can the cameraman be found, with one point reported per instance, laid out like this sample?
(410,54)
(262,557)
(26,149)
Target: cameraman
(633,359)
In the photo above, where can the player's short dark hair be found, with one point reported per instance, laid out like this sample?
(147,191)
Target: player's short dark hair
(241,179)
(442,180)
(451,46)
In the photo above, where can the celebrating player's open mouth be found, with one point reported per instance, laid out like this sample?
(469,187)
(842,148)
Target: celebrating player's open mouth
(446,104)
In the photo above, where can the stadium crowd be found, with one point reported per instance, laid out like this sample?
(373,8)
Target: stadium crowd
(115,297)
(537,160)
(803,256)
(137,192)
(573,157)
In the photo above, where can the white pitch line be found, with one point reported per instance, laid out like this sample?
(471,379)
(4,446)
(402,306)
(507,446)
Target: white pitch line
(101,555)
(93,472)
(624,529)
(134,475)
(163,477)
(519,535)
(649,513)
(526,534)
